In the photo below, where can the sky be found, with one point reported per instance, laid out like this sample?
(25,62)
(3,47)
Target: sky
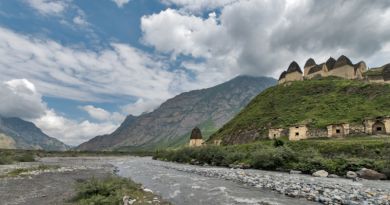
(77,68)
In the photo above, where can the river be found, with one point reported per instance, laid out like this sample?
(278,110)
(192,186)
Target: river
(185,188)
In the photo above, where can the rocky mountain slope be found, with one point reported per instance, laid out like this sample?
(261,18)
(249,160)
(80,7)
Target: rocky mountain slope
(171,123)
(316,103)
(16,133)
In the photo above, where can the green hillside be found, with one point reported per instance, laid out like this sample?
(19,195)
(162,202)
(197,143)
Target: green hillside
(314,102)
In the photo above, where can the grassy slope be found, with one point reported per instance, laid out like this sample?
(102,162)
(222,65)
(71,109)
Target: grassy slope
(317,102)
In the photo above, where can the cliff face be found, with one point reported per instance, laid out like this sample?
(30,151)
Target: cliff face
(170,124)
(16,133)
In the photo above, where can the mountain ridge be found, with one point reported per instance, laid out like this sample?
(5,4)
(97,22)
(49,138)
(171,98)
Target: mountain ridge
(21,134)
(171,122)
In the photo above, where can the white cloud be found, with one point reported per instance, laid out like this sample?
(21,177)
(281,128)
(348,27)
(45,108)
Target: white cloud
(141,106)
(102,114)
(262,37)
(70,131)
(20,98)
(121,3)
(48,7)
(80,20)
(85,75)
(199,5)
(171,31)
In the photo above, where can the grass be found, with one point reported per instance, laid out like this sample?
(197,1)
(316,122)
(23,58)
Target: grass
(23,171)
(317,103)
(337,156)
(10,156)
(111,190)
(13,156)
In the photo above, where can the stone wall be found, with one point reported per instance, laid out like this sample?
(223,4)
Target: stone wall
(317,132)
(338,130)
(298,133)
(316,74)
(375,79)
(283,80)
(196,142)
(356,129)
(346,71)
(275,133)
(306,70)
(294,76)
(387,125)
(371,124)
(217,142)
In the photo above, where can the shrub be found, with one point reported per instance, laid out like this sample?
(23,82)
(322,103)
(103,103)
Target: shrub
(278,143)
(25,157)
(105,191)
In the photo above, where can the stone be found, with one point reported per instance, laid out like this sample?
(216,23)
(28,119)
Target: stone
(244,166)
(126,199)
(351,175)
(320,173)
(295,172)
(333,176)
(239,166)
(370,174)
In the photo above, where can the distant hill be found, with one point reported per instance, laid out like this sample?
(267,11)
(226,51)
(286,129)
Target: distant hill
(170,125)
(16,133)
(316,103)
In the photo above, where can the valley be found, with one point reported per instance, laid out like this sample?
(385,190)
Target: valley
(185,184)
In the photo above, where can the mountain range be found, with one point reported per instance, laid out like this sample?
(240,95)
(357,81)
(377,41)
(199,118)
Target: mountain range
(16,133)
(170,124)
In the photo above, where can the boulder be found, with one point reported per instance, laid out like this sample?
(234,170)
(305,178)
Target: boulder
(295,172)
(351,175)
(194,162)
(240,166)
(370,174)
(333,176)
(320,173)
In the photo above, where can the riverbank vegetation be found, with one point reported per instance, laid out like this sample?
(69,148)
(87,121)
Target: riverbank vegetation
(9,156)
(337,156)
(27,171)
(112,190)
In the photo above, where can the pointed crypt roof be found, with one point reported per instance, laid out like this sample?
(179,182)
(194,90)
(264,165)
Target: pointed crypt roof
(294,67)
(342,61)
(310,62)
(196,134)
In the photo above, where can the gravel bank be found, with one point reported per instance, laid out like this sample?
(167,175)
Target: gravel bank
(323,190)
(50,186)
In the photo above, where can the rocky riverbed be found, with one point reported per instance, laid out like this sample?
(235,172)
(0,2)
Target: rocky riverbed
(323,190)
(187,184)
(53,185)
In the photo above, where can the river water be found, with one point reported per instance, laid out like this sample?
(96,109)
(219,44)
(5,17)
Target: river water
(185,188)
